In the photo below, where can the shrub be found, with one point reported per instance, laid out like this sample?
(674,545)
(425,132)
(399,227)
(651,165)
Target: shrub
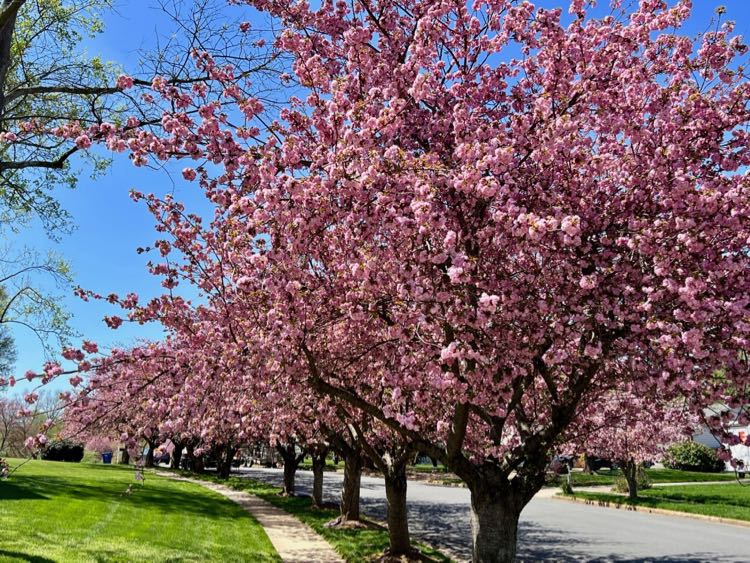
(692,456)
(644,482)
(63,450)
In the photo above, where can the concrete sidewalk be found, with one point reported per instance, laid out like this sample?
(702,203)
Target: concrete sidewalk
(295,541)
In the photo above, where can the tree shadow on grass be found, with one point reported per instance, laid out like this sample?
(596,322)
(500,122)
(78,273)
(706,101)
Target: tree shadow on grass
(16,555)
(154,495)
(19,490)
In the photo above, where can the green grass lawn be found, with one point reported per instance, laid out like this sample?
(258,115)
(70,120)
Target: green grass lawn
(355,545)
(53,511)
(726,501)
(607,477)
(428,468)
(306,465)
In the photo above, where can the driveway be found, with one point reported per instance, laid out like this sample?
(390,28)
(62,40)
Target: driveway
(549,529)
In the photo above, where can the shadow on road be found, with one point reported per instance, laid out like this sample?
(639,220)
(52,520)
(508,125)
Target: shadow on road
(549,530)
(543,543)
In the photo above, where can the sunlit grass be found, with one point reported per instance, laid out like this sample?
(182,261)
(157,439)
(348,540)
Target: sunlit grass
(724,501)
(53,511)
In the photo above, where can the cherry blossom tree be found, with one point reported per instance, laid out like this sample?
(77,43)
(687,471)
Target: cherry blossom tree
(477,222)
(631,430)
(529,229)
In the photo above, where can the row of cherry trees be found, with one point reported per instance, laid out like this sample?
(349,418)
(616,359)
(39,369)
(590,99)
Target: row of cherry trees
(471,231)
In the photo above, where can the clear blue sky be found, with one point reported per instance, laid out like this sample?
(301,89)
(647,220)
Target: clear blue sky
(101,251)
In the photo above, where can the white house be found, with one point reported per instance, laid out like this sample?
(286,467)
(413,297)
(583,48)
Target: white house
(739,452)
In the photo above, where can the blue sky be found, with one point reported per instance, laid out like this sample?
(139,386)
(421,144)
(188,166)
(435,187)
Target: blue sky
(101,251)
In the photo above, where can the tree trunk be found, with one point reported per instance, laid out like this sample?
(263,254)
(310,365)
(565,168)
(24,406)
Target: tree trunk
(290,471)
(318,464)
(190,457)
(630,470)
(195,463)
(149,461)
(398,524)
(291,463)
(9,10)
(494,525)
(350,488)
(587,465)
(174,461)
(225,462)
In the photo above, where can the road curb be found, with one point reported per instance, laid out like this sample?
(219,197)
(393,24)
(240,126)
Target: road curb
(648,510)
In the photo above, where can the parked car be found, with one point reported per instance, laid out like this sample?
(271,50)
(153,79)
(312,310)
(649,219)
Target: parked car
(598,463)
(161,458)
(561,464)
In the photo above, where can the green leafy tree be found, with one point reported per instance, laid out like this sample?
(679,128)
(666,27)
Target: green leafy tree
(47,80)
(30,285)
(7,344)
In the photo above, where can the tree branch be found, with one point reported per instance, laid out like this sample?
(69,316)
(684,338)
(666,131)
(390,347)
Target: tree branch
(10,10)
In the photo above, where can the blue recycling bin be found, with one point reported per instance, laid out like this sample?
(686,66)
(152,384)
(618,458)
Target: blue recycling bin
(107,457)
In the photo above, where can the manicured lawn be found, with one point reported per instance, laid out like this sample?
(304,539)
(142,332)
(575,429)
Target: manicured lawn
(355,545)
(441,475)
(330,466)
(726,501)
(606,477)
(52,511)
(675,476)
(428,468)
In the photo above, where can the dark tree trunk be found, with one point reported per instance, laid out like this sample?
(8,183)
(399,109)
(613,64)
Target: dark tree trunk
(225,462)
(587,465)
(318,465)
(398,524)
(630,470)
(6,41)
(494,525)
(149,461)
(190,456)
(195,462)
(174,461)
(350,488)
(290,472)
(292,460)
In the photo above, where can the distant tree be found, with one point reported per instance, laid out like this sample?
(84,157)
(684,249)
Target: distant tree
(15,431)
(620,426)
(29,300)
(7,345)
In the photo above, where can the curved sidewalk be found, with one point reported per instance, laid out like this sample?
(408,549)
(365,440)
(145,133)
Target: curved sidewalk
(295,541)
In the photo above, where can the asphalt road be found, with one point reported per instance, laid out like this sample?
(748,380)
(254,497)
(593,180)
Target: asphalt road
(550,530)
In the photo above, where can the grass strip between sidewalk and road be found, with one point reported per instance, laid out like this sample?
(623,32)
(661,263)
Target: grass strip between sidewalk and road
(608,477)
(731,501)
(354,544)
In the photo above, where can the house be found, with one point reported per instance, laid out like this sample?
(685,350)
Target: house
(740,451)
